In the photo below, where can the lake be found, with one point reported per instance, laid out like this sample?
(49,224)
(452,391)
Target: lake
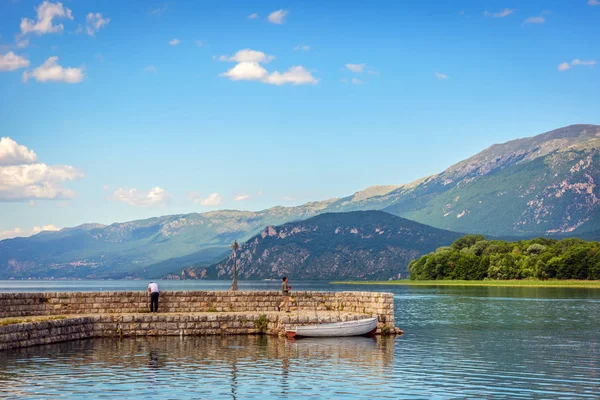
(477,342)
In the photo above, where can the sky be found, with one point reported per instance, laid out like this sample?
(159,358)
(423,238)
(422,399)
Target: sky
(113,111)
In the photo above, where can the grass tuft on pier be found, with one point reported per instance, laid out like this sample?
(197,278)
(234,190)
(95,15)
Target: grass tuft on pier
(22,320)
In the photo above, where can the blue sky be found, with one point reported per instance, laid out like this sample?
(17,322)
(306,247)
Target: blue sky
(113,111)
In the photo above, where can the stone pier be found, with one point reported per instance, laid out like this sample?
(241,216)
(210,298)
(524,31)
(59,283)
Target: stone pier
(28,319)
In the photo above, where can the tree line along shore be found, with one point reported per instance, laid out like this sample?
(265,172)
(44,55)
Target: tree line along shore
(472,257)
(474,260)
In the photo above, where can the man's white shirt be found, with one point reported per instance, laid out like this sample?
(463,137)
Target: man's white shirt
(153,287)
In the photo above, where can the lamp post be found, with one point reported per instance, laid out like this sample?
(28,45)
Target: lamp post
(235,246)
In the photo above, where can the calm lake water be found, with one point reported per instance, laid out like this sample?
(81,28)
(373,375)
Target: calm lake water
(459,342)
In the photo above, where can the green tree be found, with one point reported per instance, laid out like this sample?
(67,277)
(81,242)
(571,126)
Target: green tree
(466,241)
(474,258)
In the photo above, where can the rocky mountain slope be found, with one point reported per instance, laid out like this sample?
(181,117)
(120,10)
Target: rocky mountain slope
(543,185)
(355,245)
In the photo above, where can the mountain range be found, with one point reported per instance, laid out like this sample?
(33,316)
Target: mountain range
(546,185)
(358,245)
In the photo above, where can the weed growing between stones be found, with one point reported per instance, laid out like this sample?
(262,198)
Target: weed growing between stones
(261,323)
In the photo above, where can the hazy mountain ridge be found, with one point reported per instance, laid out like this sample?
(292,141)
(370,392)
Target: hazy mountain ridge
(543,185)
(129,249)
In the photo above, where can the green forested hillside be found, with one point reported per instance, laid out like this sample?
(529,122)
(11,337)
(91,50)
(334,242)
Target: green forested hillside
(356,245)
(472,257)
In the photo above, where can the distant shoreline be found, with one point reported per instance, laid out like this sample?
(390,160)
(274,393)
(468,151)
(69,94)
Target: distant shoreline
(515,283)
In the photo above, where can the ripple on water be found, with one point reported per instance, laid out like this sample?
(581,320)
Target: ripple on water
(458,343)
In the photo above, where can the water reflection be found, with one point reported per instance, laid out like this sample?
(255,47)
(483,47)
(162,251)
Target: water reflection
(201,367)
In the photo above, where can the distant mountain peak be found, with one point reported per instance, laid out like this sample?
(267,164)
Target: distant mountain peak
(526,149)
(374,191)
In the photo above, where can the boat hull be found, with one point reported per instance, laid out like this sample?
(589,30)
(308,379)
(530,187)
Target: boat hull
(367,326)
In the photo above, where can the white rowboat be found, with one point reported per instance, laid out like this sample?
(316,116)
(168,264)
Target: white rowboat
(360,327)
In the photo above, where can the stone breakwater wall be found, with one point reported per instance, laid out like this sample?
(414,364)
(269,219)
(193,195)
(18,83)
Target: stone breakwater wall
(190,324)
(67,303)
(28,319)
(45,332)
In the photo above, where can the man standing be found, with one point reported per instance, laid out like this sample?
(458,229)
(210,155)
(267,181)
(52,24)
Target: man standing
(153,290)
(286,292)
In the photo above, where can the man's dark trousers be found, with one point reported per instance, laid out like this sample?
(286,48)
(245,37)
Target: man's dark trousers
(154,302)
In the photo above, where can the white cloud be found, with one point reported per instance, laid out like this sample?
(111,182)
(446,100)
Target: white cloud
(36,181)
(246,71)
(249,55)
(439,75)
(241,197)
(21,42)
(12,153)
(302,47)
(504,13)
(48,228)
(251,71)
(579,62)
(594,2)
(24,178)
(534,20)
(159,11)
(46,12)
(253,16)
(94,22)
(154,197)
(199,43)
(18,232)
(10,61)
(289,198)
(297,75)
(50,71)
(277,17)
(356,67)
(566,66)
(249,68)
(150,68)
(174,42)
(213,199)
